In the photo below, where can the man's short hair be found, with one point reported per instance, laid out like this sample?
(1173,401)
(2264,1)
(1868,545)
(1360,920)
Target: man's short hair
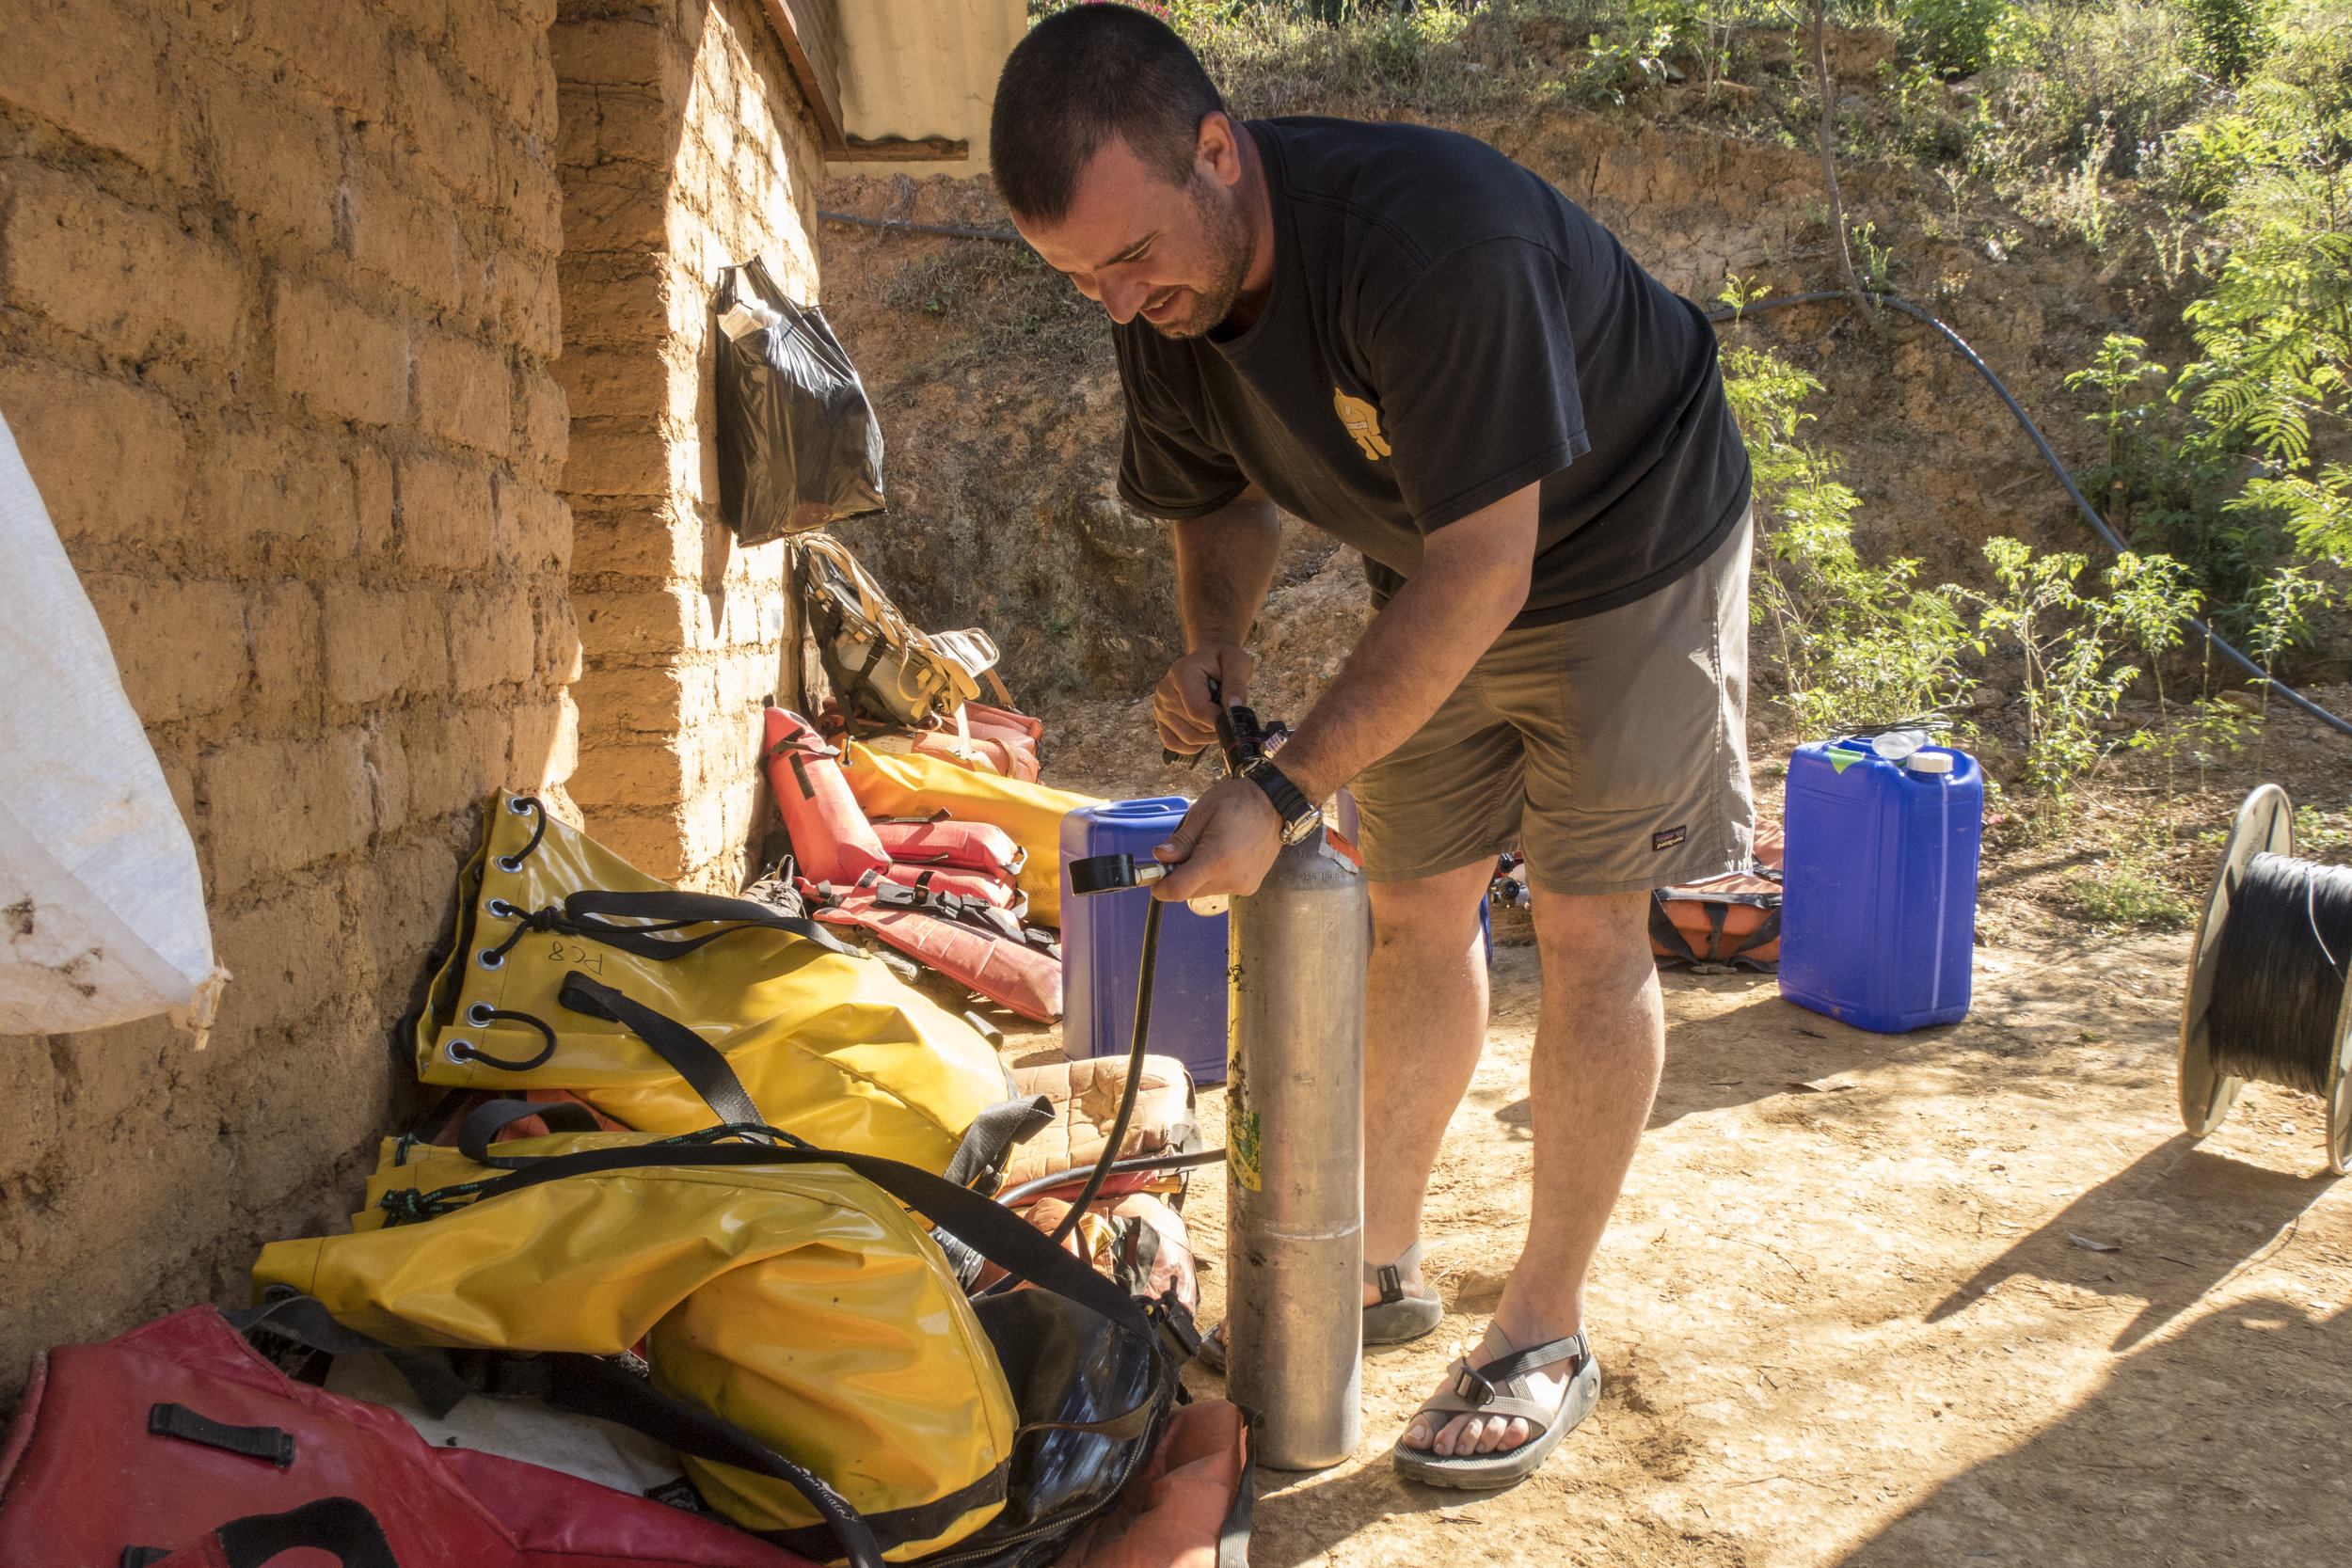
(1081,77)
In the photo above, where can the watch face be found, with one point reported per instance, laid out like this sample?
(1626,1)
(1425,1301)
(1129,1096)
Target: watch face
(1293,831)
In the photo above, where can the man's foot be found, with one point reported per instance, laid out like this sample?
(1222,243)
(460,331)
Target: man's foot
(1434,1433)
(1399,1306)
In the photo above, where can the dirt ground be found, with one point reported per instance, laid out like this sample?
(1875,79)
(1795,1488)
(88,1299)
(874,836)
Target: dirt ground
(1965,1294)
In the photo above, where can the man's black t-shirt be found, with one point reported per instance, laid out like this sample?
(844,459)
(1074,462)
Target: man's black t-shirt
(1445,329)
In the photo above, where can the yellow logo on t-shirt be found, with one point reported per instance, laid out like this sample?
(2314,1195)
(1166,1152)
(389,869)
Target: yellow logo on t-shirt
(1362,420)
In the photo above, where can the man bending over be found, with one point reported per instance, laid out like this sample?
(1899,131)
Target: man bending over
(1402,337)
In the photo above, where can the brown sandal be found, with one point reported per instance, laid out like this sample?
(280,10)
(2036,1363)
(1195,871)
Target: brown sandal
(1500,1388)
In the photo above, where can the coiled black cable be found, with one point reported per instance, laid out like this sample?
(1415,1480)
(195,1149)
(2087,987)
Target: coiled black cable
(2278,975)
(2098,523)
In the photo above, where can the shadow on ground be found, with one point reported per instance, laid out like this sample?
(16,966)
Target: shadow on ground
(2180,1220)
(2222,1443)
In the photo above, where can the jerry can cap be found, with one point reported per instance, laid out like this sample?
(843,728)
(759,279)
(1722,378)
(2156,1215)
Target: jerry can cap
(1929,762)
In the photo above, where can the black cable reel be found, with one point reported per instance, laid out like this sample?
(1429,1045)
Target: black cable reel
(2266,1000)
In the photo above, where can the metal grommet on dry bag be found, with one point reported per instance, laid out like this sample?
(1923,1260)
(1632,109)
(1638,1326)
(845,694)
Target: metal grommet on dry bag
(457,1050)
(479,1014)
(490,957)
(518,805)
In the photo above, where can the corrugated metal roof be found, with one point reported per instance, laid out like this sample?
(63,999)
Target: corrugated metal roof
(922,68)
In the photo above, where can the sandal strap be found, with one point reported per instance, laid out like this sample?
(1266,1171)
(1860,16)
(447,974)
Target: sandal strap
(1503,1382)
(1389,1277)
(1446,1403)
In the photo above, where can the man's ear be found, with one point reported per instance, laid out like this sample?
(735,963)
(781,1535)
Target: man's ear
(1217,148)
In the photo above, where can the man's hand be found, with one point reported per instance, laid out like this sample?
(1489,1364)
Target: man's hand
(1181,708)
(1226,844)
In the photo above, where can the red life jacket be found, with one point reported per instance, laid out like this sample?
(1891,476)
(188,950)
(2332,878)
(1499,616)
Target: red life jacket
(977,945)
(832,841)
(960,846)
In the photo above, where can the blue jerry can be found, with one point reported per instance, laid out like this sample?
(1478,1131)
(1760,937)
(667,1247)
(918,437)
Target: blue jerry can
(1102,946)
(1879,926)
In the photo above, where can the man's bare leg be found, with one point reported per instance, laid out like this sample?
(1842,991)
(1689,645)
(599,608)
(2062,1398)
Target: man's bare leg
(1600,1043)
(1425,1024)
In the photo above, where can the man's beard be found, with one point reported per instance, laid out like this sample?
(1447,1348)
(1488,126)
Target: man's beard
(1230,252)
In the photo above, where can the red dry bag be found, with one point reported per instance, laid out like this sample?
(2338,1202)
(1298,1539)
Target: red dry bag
(832,841)
(159,1439)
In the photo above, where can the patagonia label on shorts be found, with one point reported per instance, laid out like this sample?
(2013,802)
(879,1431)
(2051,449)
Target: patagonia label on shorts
(1668,839)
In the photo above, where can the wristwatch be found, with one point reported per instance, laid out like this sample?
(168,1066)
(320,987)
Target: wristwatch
(1300,815)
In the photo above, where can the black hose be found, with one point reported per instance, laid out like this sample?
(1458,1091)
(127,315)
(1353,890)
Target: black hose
(1134,1077)
(1118,1167)
(2098,523)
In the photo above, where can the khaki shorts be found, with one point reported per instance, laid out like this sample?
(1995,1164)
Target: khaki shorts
(1611,751)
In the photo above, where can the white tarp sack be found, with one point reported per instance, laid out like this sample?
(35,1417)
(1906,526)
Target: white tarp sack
(101,906)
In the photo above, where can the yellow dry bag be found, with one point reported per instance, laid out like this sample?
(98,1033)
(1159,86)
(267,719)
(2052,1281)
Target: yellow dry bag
(671,1011)
(917,785)
(787,1291)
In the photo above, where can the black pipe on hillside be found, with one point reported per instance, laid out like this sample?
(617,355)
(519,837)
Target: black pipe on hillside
(2098,523)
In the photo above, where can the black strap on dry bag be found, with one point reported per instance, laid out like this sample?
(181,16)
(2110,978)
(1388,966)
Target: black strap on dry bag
(690,1055)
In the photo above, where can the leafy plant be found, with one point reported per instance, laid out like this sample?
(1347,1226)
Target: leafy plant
(2129,889)
(2068,640)
(1859,644)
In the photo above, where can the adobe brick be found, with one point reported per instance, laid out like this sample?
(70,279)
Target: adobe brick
(447,514)
(276,155)
(109,461)
(540,526)
(456,757)
(88,68)
(276,484)
(427,19)
(617,207)
(646,838)
(544,418)
(644,776)
(526,304)
(463,392)
(646,623)
(491,641)
(129,279)
(339,47)
(385,763)
(373,501)
(271,946)
(558,657)
(544,747)
(620,457)
(630,53)
(382,642)
(282,635)
(633,544)
(623,384)
(614,301)
(502,52)
(444,119)
(398,901)
(179,644)
(334,359)
(274,806)
(530,192)
(406,236)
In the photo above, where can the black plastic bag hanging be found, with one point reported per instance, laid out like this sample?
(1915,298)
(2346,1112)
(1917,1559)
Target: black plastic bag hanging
(799,445)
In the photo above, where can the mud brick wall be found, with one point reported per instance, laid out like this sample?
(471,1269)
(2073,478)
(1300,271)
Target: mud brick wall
(277,299)
(683,147)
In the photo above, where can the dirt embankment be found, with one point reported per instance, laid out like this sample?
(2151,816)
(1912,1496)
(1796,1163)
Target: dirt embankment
(1001,404)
